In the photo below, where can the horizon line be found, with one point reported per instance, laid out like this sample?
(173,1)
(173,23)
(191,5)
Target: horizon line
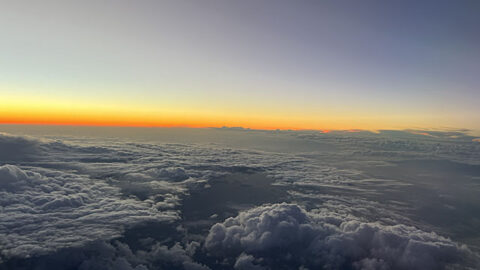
(326,130)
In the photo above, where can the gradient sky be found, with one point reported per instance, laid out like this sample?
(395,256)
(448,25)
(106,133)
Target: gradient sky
(251,63)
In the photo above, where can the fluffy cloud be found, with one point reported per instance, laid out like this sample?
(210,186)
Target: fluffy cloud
(48,210)
(115,255)
(286,234)
(118,255)
(246,262)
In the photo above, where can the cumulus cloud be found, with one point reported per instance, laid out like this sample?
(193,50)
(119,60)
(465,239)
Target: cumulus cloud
(288,235)
(117,255)
(47,210)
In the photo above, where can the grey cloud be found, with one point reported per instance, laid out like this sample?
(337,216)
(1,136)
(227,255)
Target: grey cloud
(175,174)
(69,195)
(116,255)
(286,234)
(177,256)
(246,262)
(48,210)
(17,148)
(390,145)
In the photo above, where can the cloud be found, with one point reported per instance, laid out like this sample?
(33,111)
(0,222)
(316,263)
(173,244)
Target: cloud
(174,174)
(396,145)
(115,255)
(177,256)
(57,196)
(46,210)
(246,262)
(286,234)
(17,148)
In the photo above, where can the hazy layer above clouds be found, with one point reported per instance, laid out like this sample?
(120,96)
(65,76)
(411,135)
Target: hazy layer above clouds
(243,199)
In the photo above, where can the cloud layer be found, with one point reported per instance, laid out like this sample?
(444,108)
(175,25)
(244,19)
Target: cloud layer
(88,200)
(45,211)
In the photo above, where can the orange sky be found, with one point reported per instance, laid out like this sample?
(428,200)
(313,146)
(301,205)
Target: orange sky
(58,113)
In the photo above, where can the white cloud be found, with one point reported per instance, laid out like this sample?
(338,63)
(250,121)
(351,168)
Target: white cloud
(286,234)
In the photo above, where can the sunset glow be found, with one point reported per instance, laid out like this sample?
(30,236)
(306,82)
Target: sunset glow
(214,69)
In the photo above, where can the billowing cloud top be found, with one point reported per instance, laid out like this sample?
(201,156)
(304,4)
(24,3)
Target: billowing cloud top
(286,235)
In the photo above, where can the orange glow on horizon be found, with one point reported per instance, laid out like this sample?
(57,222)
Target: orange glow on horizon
(185,120)
(62,113)
(169,122)
(46,112)
(152,124)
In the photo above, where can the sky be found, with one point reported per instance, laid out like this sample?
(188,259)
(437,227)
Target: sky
(258,64)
